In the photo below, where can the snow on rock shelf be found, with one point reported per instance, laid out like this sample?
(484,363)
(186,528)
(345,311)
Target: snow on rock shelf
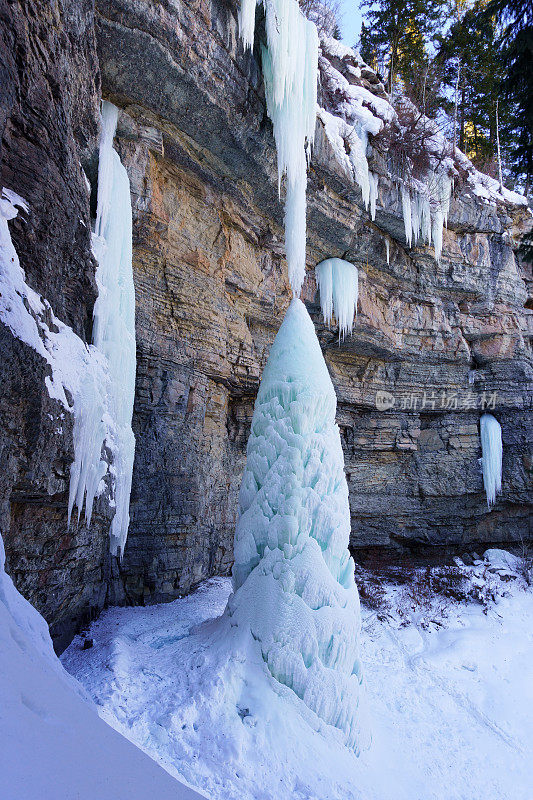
(491,448)
(293,574)
(353,114)
(338,282)
(290,69)
(53,744)
(114,313)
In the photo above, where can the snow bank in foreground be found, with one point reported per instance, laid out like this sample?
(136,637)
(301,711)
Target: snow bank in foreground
(451,699)
(53,744)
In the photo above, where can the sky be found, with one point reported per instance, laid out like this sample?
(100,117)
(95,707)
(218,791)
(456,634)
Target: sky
(351,21)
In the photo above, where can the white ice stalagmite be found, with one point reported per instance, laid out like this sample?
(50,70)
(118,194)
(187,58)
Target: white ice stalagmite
(114,313)
(290,68)
(338,283)
(387,248)
(293,574)
(491,448)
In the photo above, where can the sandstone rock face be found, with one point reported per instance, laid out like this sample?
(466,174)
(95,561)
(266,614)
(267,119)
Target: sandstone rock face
(441,340)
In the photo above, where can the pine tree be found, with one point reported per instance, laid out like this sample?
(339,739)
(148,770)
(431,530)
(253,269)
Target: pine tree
(472,69)
(515,45)
(396,38)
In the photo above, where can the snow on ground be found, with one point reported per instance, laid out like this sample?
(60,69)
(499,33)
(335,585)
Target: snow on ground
(53,744)
(449,686)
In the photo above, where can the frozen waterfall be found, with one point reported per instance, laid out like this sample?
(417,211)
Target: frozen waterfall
(114,336)
(491,448)
(290,68)
(338,282)
(293,575)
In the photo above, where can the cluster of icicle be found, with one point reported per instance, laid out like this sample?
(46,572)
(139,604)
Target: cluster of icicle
(290,69)
(491,449)
(425,213)
(114,336)
(338,283)
(293,574)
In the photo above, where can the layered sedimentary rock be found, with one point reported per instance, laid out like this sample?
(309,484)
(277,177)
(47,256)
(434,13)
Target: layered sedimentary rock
(211,290)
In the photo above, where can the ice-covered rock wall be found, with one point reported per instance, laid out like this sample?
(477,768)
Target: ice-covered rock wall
(107,417)
(441,339)
(79,373)
(293,574)
(351,115)
(95,383)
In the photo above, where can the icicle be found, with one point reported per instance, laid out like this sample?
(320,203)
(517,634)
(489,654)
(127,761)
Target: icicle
(425,219)
(491,448)
(338,282)
(373,180)
(415,216)
(437,228)
(114,336)
(76,369)
(406,209)
(114,313)
(387,247)
(324,279)
(290,68)
(246,18)
(441,200)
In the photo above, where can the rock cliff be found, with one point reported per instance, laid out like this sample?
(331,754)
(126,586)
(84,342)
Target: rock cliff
(433,342)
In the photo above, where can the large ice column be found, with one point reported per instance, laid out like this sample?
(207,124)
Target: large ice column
(338,282)
(293,575)
(290,68)
(114,313)
(491,448)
